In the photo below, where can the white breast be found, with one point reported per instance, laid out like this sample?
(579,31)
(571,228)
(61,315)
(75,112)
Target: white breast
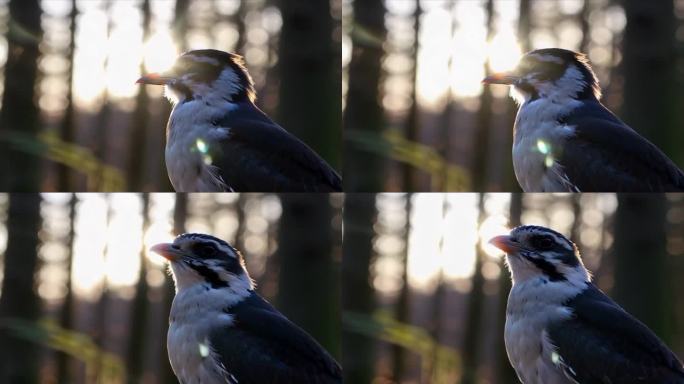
(195,311)
(538,142)
(532,306)
(190,133)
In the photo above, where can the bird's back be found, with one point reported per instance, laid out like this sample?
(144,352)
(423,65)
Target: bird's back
(265,347)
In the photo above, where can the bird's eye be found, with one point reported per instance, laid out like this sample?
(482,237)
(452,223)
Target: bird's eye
(204,250)
(542,242)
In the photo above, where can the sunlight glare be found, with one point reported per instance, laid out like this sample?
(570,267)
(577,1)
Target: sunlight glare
(160,52)
(492,226)
(503,51)
(458,229)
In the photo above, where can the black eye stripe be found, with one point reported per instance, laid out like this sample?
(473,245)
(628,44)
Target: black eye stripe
(209,275)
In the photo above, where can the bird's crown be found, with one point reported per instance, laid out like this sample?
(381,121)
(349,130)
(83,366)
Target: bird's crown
(206,246)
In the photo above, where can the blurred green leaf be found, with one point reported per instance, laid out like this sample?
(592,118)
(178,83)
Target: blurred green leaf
(77,345)
(362,36)
(101,177)
(393,145)
(382,326)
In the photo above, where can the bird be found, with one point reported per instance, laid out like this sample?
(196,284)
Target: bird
(566,140)
(222,331)
(560,328)
(218,140)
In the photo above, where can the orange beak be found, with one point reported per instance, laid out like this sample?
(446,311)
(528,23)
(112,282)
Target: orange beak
(154,79)
(506,78)
(505,243)
(168,251)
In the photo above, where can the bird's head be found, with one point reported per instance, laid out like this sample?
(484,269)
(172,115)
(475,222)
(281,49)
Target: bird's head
(205,74)
(539,252)
(553,73)
(205,260)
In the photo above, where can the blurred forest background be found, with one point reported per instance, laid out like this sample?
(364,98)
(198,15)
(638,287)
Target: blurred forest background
(83,301)
(73,119)
(417,118)
(424,294)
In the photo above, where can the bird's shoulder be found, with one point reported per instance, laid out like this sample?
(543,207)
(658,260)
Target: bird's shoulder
(602,340)
(604,154)
(261,337)
(270,154)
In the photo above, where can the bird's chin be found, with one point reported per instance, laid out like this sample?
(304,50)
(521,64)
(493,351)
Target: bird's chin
(172,95)
(519,95)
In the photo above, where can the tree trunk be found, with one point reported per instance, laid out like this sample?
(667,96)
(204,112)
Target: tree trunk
(412,120)
(649,53)
(504,371)
(137,143)
(524,30)
(19,300)
(20,113)
(481,147)
(402,306)
(64,374)
(65,180)
(180,214)
(364,113)
(640,260)
(310,80)
(309,269)
(138,319)
(104,114)
(102,306)
(473,323)
(358,295)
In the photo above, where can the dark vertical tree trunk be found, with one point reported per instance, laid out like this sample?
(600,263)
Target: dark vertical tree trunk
(364,113)
(641,260)
(20,113)
(102,306)
(441,183)
(437,306)
(649,53)
(179,31)
(105,111)
(65,180)
(358,295)
(481,147)
(309,271)
(19,300)
(138,318)
(239,20)
(583,18)
(402,306)
(473,323)
(180,215)
(137,143)
(309,62)
(412,120)
(504,371)
(64,374)
(524,30)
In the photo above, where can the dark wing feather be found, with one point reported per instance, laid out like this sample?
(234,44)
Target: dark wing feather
(265,347)
(260,156)
(604,344)
(605,155)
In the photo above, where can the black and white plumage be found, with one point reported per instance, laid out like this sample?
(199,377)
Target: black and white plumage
(566,140)
(221,331)
(561,329)
(218,140)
